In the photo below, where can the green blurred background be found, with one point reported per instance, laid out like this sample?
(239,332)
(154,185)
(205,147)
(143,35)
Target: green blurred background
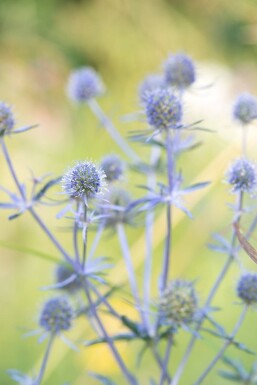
(40,43)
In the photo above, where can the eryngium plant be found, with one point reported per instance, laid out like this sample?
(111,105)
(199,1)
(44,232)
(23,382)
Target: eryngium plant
(99,198)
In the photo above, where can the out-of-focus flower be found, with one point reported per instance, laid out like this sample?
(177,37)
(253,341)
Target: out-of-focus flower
(242,176)
(84,84)
(245,108)
(179,71)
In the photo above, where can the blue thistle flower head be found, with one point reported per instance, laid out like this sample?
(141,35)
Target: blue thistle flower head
(84,180)
(84,84)
(247,288)
(178,303)
(150,83)
(115,211)
(6,119)
(242,176)
(163,109)
(64,273)
(179,71)
(245,108)
(113,167)
(56,315)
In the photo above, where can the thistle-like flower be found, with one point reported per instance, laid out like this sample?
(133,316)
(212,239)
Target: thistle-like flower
(242,176)
(83,181)
(245,108)
(6,119)
(64,274)
(178,303)
(114,211)
(84,84)
(56,315)
(150,83)
(179,71)
(163,109)
(247,288)
(113,167)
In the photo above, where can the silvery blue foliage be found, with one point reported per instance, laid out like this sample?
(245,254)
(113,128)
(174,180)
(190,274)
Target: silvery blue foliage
(247,288)
(56,315)
(163,109)
(242,176)
(245,108)
(83,180)
(84,84)
(179,71)
(6,119)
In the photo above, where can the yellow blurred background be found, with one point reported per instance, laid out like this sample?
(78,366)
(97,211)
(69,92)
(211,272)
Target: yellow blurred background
(124,40)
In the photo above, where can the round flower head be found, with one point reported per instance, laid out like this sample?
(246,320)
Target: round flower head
(113,167)
(114,210)
(62,274)
(179,71)
(84,84)
(245,108)
(56,315)
(178,302)
(150,83)
(84,180)
(163,109)
(247,288)
(242,176)
(6,119)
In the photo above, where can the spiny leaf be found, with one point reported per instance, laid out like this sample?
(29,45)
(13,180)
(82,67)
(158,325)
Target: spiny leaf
(46,187)
(103,379)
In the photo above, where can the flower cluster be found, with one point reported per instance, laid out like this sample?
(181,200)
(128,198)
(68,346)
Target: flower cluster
(84,180)
(56,315)
(245,108)
(179,71)
(247,288)
(163,109)
(178,303)
(6,119)
(84,84)
(242,176)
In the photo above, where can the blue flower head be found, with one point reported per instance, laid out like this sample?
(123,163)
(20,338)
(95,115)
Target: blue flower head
(178,303)
(247,288)
(245,108)
(163,109)
(242,176)
(115,211)
(150,83)
(84,180)
(179,71)
(84,84)
(64,273)
(6,119)
(56,315)
(113,167)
